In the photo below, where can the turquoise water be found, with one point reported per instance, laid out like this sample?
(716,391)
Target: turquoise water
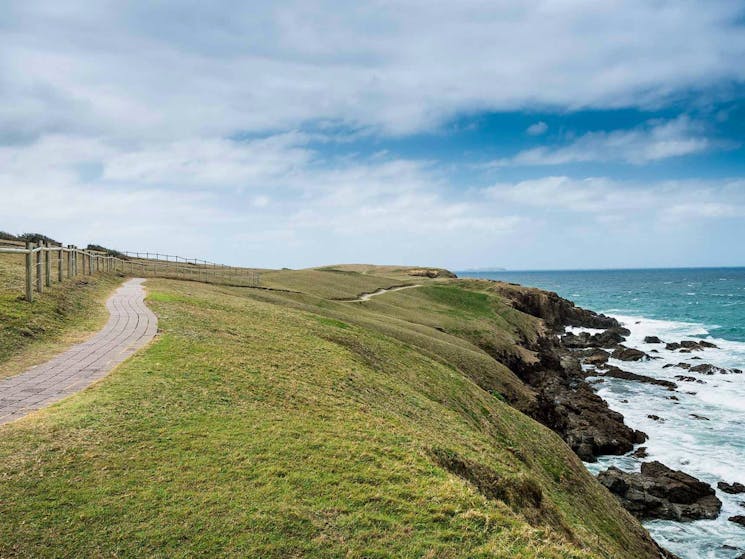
(714,297)
(674,305)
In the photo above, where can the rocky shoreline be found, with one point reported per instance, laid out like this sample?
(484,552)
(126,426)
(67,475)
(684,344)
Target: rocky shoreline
(567,403)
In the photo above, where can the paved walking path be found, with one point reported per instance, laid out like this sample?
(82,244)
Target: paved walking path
(131,325)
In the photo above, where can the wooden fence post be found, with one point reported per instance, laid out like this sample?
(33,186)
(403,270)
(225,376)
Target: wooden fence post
(29,272)
(90,264)
(69,262)
(47,265)
(40,268)
(60,277)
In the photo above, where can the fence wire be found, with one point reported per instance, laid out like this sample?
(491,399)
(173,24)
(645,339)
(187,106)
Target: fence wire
(39,267)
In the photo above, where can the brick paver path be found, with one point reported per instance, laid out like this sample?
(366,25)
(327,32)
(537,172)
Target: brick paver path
(131,325)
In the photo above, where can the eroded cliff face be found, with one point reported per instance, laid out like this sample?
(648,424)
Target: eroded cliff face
(555,311)
(565,402)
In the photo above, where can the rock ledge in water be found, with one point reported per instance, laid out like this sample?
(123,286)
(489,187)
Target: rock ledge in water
(731,488)
(629,354)
(660,492)
(652,340)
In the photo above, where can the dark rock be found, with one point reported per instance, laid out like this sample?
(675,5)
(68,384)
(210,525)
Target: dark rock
(731,488)
(629,354)
(700,417)
(738,519)
(582,340)
(584,421)
(684,378)
(595,356)
(690,345)
(615,372)
(555,311)
(564,401)
(652,340)
(707,369)
(660,492)
(679,366)
(640,452)
(655,418)
(609,338)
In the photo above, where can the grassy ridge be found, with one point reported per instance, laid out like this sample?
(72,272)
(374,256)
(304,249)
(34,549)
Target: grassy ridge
(68,312)
(274,424)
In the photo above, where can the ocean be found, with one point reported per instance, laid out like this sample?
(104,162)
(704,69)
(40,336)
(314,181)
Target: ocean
(674,304)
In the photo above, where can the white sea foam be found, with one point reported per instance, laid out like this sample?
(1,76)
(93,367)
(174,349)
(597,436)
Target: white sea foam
(711,449)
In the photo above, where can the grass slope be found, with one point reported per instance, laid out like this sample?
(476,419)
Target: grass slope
(274,424)
(66,313)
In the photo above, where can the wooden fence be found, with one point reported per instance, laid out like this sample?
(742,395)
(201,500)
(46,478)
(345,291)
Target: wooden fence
(47,264)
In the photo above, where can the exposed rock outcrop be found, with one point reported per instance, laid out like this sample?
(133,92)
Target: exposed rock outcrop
(640,452)
(707,369)
(652,340)
(624,353)
(686,346)
(555,311)
(615,372)
(609,338)
(594,356)
(585,421)
(660,492)
(731,488)
(565,402)
(431,273)
(684,378)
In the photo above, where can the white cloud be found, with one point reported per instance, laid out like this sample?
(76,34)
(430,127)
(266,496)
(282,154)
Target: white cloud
(607,200)
(537,129)
(139,70)
(190,197)
(654,141)
(210,162)
(117,123)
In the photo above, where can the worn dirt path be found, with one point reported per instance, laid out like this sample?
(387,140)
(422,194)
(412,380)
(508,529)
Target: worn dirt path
(368,296)
(131,325)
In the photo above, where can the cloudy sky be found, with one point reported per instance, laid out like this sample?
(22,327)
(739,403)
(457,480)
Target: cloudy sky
(529,135)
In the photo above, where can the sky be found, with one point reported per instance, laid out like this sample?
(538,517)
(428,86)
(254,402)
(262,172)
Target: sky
(545,134)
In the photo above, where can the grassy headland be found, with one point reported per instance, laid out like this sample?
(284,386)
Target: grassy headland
(287,423)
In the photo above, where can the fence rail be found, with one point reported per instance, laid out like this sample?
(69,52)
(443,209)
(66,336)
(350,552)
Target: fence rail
(46,264)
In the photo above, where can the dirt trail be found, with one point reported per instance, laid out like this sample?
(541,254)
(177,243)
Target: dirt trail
(368,296)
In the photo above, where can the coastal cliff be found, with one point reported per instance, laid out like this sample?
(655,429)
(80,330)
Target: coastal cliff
(300,419)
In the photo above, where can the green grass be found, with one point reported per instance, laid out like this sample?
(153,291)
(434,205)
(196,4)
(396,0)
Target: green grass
(274,424)
(67,312)
(331,283)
